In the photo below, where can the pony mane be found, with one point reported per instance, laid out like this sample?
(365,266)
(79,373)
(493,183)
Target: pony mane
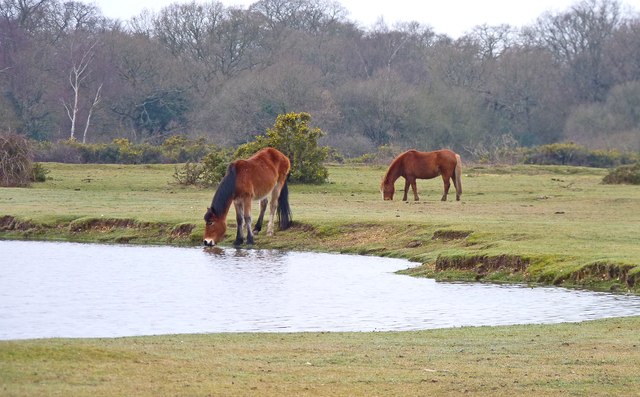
(226,188)
(392,167)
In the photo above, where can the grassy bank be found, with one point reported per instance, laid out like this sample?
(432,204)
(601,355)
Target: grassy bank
(539,224)
(552,225)
(587,359)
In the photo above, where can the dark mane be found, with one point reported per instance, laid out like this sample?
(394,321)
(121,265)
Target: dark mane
(226,188)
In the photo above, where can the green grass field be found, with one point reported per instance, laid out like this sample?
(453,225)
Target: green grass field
(586,359)
(535,224)
(554,225)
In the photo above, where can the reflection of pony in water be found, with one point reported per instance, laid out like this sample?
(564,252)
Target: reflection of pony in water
(264,174)
(414,165)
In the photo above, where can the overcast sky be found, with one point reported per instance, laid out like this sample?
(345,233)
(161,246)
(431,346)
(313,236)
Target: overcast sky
(451,17)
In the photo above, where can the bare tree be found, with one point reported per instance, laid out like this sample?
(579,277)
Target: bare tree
(79,73)
(96,101)
(493,41)
(29,14)
(577,38)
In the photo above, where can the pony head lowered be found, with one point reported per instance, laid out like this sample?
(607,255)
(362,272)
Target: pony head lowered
(387,187)
(260,177)
(387,190)
(214,229)
(216,216)
(413,165)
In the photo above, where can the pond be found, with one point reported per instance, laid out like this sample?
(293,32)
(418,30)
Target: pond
(91,290)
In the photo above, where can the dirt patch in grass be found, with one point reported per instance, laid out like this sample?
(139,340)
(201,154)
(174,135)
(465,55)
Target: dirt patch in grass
(361,238)
(618,274)
(483,264)
(138,230)
(182,230)
(102,225)
(116,230)
(597,275)
(8,222)
(451,234)
(303,227)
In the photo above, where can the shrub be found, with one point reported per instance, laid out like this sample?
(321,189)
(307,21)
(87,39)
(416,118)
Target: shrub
(16,160)
(292,135)
(384,155)
(175,149)
(208,172)
(180,149)
(39,173)
(188,174)
(127,152)
(214,166)
(628,174)
(572,154)
(556,154)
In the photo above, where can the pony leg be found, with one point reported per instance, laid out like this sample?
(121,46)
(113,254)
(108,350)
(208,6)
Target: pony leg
(447,185)
(263,207)
(247,221)
(410,182)
(414,187)
(406,189)
(239,220)
(272,209)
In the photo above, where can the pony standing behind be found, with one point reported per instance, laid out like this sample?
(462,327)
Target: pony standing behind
(262,175)
(413,165)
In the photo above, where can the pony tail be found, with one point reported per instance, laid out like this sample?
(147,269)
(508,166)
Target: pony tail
(226,188)
(458,172)
(284,211)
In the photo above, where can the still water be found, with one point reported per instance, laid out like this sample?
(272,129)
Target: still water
(82,290)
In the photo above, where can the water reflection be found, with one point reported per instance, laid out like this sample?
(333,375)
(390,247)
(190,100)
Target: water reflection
(76,290)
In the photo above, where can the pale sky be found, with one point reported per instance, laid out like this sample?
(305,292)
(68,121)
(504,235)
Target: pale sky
(451,17)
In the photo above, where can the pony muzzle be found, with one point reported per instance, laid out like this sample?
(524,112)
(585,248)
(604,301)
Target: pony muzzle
(208,242)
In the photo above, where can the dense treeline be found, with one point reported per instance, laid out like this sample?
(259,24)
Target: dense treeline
(225,73)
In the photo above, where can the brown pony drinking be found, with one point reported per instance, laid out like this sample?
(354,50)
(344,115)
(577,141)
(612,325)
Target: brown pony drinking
(257,178)
(413,165)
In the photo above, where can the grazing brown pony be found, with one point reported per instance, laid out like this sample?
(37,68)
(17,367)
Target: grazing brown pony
(264,174)
(413,165)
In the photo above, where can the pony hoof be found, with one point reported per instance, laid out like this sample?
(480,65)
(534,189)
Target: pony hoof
(238,242)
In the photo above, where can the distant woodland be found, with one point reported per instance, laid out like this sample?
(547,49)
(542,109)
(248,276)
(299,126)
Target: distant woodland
(225,74)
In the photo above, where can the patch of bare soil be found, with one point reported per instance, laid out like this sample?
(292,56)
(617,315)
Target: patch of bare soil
(302,227)
(102,225)
(482,264)
(109,225)
(604,271)
(363,235)
(451,234)
(183,230)
(8,222)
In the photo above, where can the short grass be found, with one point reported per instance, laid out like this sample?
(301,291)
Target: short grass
(563,220)
(586,359)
